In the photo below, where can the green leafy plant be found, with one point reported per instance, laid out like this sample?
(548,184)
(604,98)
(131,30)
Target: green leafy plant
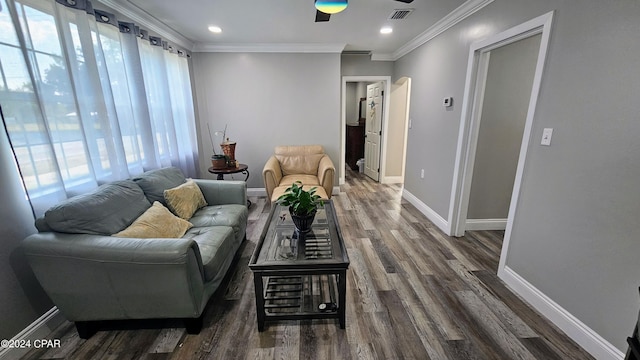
(299,201)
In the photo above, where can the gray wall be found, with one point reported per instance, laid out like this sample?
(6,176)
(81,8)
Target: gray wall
(361,65)
(504,113)
(352,103)
(437,69)
(361,92)
(268,99)
(21,298)
(574,237)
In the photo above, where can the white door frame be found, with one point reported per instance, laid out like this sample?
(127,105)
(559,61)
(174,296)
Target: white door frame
(343,122)
(400,82)
(469,124)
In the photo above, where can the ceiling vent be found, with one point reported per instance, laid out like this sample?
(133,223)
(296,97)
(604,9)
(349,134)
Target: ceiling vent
(399,14)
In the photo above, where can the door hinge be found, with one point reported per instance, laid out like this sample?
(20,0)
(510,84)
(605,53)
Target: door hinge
(380,132)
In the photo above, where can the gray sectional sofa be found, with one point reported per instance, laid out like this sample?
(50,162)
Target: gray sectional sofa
(91,275)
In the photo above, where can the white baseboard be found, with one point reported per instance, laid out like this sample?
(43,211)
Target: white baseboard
(435,218)
(588,339)
(256,192)
(485,224)
(39,329)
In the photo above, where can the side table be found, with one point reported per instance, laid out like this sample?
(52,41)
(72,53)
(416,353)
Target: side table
(242,168)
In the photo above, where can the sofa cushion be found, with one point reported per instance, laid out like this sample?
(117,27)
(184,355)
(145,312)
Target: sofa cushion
(216,244)
(155,182)
(156,222)
(232,215)
(104,211)
(185,199)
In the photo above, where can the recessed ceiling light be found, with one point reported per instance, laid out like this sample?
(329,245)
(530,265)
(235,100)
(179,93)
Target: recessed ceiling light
(386,30)
(215,29)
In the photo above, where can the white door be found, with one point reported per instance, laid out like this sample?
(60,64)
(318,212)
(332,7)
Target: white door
(373,131)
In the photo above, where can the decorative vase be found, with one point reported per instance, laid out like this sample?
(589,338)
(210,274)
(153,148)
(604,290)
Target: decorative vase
(218,162)
(229,149)
(303,223)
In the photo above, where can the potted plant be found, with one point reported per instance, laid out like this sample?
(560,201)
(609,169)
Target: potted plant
(218,161)
(302,204)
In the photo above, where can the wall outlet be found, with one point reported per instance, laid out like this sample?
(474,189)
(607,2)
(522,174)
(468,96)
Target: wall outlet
(422,174)
(546,136)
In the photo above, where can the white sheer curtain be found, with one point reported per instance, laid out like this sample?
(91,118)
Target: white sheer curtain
(86,99)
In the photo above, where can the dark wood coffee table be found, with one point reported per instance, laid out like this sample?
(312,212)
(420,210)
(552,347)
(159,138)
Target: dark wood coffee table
(300,276)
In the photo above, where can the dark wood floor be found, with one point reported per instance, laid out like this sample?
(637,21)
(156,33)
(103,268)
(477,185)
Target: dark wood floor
(413,293)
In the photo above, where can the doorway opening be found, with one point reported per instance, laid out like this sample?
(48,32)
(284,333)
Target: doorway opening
(367,110)
(472,112)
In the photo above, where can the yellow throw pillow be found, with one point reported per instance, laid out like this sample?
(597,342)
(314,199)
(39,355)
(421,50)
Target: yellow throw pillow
(185,200)
(156,222)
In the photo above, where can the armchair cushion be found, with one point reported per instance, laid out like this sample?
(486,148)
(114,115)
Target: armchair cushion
(281,189)
(304,179)
(299,164)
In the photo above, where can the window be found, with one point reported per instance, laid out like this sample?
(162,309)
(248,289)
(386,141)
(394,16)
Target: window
(85,101)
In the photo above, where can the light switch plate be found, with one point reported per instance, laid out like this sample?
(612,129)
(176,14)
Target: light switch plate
(546,136)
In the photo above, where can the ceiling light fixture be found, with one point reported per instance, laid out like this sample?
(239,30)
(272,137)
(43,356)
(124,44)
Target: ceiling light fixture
(386,30)
(215,29)
(331,6)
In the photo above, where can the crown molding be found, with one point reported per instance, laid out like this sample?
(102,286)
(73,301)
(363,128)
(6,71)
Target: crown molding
(154,25)
(270,48)
(462,12)
(141,17)
(382,57)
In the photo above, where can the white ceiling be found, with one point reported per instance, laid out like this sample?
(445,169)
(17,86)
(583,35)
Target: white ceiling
(286,22)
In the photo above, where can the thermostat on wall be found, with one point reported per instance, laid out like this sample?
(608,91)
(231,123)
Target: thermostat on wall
(448,101)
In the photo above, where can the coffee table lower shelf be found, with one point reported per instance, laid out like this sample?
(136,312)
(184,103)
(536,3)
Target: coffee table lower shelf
(300,296)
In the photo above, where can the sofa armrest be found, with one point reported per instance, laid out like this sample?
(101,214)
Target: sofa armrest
(326,173)
(93,277)
(102,248)
(223,192)
(271,174)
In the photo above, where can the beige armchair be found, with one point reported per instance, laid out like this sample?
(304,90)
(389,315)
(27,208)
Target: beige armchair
(307,164)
